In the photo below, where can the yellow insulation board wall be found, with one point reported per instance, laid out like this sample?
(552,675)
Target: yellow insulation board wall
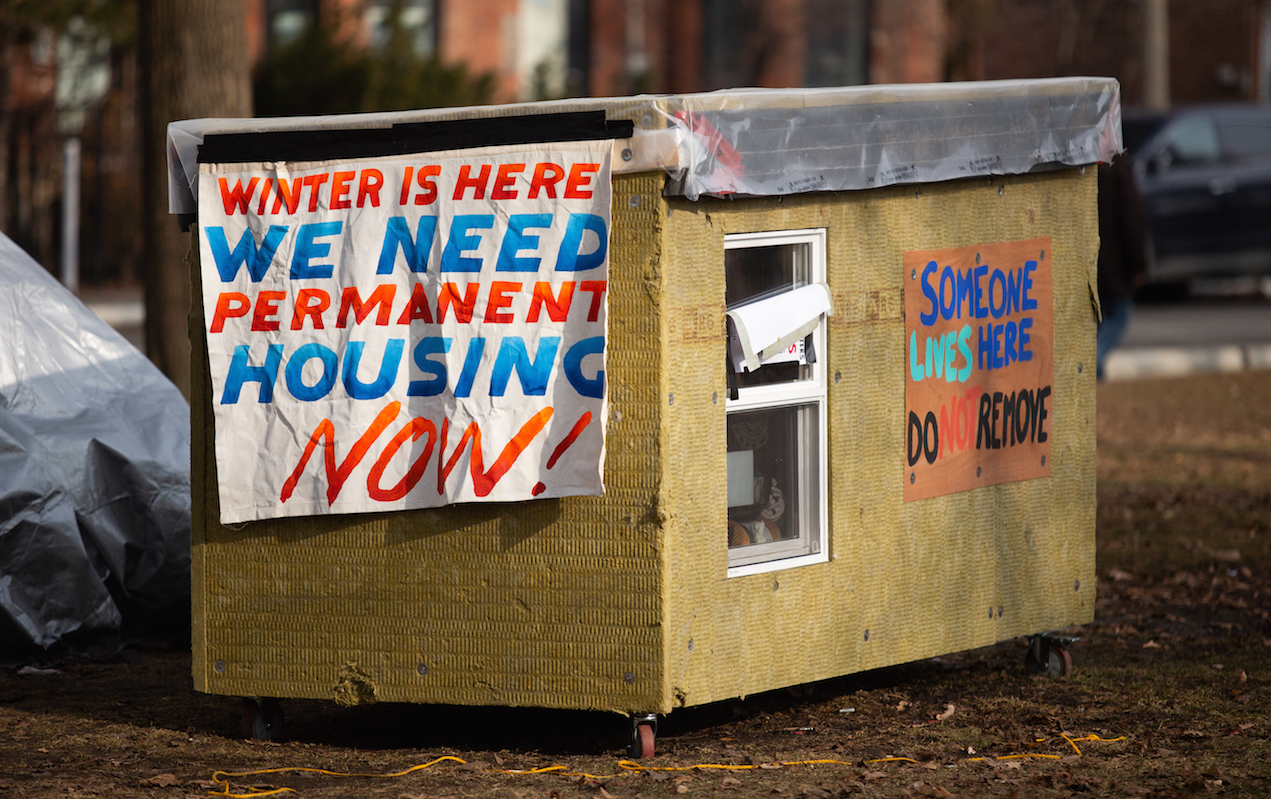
(592,602)
(552,603)
(903,580)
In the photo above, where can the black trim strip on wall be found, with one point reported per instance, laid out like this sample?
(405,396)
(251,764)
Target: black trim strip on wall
(411,137)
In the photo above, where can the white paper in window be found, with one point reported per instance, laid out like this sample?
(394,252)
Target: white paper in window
(767,329)
(795,353)
(741,478)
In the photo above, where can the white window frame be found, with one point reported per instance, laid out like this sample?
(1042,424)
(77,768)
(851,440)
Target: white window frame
(802,392)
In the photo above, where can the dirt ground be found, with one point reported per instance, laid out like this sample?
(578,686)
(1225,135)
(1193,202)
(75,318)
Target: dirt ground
(1169,697)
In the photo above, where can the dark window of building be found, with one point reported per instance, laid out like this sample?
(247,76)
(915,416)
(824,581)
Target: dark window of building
(578,55)
(731,34)
(416,19)
(838,42)
(288,19)
(740,37)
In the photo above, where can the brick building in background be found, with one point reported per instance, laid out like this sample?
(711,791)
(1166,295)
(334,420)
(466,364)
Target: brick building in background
(535,49)
(540,49)
(1217,50)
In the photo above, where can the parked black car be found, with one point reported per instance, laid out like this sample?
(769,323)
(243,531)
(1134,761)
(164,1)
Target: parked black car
(1205,176)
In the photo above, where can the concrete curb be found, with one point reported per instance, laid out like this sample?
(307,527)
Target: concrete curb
(1146,362)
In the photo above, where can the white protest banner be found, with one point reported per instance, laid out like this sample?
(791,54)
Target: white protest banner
(407,332)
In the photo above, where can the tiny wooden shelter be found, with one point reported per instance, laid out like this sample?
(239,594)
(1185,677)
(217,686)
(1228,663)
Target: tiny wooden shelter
(776,510)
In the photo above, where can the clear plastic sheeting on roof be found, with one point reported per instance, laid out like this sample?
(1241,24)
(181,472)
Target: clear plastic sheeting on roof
(769,142)
(94,476)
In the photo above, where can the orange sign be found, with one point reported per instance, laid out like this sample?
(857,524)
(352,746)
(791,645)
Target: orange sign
(979,330)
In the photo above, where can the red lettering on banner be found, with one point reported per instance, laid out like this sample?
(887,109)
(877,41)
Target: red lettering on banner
(236,199)
(416,428)
(419,307)
(289,194)
(503,181)
(574,433)
(579,179)
(372,181)
(483,482)
(465,181)
(266,307)
(314,182)
(264,195)
(542,181)
(500,297)
(340,190)
(313,310)
(230,305)
(410,170)
(500,305)
(449,298)
(597,289)
(425,181)
(351,299)
(565,443)
(557,307)
(336,475)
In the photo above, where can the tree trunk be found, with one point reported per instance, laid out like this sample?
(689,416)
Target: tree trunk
(193,64)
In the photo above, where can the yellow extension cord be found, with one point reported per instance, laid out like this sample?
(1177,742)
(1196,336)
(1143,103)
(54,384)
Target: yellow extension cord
(628,767)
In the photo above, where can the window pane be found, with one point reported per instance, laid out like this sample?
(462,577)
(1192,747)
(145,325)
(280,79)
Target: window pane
(756,273)
(413,21)
(1196,143)
(288,19)
(732,43)
(837,42)
(1246,141)
(772,479)
(774,426)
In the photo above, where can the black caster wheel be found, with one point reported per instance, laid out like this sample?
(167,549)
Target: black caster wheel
(1047,656)
(644,730)
(261,719)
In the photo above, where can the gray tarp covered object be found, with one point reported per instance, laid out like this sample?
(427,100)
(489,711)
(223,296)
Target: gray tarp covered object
(94,474)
